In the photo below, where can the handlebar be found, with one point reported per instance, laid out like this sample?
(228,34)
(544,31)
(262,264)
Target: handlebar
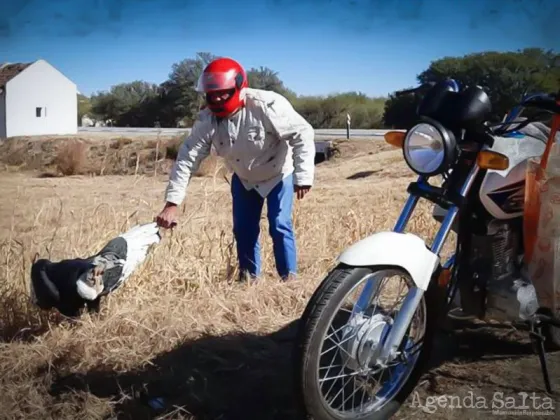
(547,102)
(542,101)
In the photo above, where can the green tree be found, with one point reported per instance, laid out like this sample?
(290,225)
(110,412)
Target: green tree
(506,76)
(132,104)
(400,112)
(84,107)
(331,111)
(175,101)
(179,100)
(267,79)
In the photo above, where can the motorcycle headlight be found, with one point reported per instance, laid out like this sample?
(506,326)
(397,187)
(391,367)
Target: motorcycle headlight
(429,149)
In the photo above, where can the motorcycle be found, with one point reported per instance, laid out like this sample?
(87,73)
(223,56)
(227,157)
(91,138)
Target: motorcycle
(342,348)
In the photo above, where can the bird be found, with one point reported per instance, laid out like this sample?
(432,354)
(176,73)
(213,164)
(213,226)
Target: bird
(70,285)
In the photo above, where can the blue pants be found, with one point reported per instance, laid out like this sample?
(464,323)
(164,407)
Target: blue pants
(247,209)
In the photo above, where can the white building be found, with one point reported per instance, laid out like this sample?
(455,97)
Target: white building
(36,99)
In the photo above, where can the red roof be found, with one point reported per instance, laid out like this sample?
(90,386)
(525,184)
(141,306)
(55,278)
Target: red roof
(10,70)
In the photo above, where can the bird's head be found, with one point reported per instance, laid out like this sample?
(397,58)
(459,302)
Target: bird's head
(90,283)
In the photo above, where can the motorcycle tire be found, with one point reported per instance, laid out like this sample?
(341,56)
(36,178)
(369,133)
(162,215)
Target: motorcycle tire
(314,323)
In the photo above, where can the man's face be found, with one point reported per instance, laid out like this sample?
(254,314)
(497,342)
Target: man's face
(218,97)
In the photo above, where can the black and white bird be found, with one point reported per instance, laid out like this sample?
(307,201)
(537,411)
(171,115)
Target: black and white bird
(71,284)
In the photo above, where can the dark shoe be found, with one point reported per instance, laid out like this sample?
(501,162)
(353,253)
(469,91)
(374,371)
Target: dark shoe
(289,277)
(246,277)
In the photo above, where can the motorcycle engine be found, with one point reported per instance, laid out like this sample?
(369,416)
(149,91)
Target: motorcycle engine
(490,284)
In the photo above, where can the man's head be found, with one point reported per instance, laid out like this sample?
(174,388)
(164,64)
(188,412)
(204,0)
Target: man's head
(222,82)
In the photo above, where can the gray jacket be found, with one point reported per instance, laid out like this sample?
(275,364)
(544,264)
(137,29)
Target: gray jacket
(262,143)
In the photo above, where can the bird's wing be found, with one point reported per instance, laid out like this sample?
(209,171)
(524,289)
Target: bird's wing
(139,239)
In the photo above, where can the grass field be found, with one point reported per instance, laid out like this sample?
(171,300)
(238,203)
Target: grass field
(180,330)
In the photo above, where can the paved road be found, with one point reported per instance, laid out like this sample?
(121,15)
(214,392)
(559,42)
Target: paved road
(320,134)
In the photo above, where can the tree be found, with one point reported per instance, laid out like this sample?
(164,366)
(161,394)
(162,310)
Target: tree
(84,107)
(175,101)
(400,112)
(178,98)
(330,111)
(267,79)
(506,76)
(131,104)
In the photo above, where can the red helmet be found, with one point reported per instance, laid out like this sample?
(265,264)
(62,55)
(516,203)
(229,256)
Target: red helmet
(222,81)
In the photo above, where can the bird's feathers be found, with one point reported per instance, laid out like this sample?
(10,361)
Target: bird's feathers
(118,259)
(69,284)
(85,291)
(139,239)
(103,276)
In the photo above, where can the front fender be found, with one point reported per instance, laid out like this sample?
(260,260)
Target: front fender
(404,250)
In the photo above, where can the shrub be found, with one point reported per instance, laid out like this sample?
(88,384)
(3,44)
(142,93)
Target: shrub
(172,147)
(71,159)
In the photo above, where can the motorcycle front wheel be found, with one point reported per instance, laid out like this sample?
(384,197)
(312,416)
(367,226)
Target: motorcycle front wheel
(336,346)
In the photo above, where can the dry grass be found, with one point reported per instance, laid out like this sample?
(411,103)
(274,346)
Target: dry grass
(179,329)
(56,156)
(66,156)
(71,159)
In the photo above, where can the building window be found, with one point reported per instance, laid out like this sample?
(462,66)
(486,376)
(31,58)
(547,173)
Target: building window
(38,112)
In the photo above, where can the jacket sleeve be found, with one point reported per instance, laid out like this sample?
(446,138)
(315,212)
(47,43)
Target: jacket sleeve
(192,152)
(289,125)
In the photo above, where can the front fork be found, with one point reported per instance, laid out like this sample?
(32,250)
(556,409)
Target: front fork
(413,298)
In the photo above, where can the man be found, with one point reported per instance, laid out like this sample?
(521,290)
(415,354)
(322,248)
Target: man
(270,148)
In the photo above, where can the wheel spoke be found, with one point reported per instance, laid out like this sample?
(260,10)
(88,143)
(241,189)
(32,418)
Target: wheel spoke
(330,367)
(340,376)
(364,392)
(352,395)
(365,314)
(340,370)
(344,382)
(335,332)
(339,345)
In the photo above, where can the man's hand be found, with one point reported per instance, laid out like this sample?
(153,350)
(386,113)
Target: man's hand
(168,216)
(301,190)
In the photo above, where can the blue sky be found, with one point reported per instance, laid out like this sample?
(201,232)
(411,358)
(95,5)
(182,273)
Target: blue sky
(317,47)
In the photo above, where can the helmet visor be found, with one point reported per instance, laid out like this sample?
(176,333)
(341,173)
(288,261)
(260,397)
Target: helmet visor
(213,81)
